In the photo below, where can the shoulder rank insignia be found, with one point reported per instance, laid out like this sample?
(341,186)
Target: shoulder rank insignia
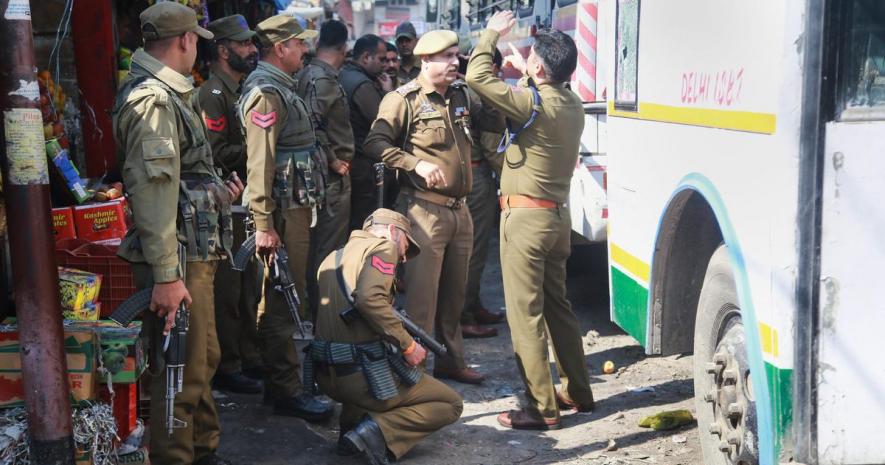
(262,120)
(217,124)
(385,268)
(407,88)
(216,91)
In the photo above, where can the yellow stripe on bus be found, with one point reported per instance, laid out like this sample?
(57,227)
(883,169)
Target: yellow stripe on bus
(635,266)
(763,123)
(768,338)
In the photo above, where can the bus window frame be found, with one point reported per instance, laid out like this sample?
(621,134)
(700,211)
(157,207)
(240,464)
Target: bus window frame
(562,3)
(623,104)
(841,59)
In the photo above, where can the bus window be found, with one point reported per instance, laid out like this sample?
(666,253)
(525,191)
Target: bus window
(626,61)
(861,81)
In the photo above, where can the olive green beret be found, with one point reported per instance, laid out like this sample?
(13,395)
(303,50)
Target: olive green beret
(435,42)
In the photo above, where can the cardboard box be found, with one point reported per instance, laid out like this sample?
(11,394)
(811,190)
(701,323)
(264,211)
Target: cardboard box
(122,352)
(102,221)
(77,288)
(89,312)
(81,347)
(63,224)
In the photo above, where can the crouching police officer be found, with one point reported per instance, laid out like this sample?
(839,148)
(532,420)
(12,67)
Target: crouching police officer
(388,403)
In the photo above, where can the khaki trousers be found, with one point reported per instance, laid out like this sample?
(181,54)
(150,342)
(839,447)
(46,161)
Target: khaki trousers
(535,244)
(236,303)
(415,413)
(436,279)
(194,405)
(275,324)
(483,204)
(330,233)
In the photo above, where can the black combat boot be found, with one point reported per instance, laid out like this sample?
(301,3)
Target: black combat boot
(367,438)
(306,406)
(236,382)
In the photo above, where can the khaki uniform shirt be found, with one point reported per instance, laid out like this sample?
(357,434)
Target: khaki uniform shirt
(404,77)
(433,128)
(152,140)
(541,162)
(369,268)
(262,134)
(218,98)
(318,87)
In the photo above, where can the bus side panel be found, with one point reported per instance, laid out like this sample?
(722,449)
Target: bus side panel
(851,374)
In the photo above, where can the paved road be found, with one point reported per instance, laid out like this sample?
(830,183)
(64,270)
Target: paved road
(253,435)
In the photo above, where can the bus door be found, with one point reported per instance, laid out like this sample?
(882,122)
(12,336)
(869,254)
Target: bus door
(851,370)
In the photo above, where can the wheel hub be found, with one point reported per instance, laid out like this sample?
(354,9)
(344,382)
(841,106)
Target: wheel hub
(731,398)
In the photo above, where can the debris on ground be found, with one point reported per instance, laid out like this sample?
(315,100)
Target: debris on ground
(667,420)
(612,446)
(608,367)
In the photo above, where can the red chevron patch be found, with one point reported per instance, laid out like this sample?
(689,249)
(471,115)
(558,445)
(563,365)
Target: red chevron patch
(382,266)
(264,121)
(216,125)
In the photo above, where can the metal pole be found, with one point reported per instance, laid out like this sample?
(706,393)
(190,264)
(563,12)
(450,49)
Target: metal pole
(35,277)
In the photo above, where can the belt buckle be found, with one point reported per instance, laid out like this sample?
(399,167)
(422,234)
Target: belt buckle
(456,203)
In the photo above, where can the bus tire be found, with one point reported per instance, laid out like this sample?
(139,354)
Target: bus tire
(726,409)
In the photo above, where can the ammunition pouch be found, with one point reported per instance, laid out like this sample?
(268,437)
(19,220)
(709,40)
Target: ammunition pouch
(377,362)
(299,179)
(204,223)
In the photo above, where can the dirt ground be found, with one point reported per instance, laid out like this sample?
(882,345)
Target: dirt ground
(642,386)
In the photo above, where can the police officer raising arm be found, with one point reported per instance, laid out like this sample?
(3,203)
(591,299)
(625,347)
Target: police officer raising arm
(169,172)
(547,119)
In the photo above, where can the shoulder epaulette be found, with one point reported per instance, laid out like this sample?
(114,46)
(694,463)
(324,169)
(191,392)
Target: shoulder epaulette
(408,88)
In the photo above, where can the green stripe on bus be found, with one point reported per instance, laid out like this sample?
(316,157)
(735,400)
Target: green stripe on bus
(630,304)
(780,385)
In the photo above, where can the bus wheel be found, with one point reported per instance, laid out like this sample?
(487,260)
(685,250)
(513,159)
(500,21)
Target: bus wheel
(726,409)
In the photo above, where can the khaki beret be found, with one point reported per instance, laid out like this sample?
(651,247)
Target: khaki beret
(170,19)
(383,216)
(232,27)
(281,28)
(435,42)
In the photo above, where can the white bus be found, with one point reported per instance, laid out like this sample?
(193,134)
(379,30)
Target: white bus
(746,150)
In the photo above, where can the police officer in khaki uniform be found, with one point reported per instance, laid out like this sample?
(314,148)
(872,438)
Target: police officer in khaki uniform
(175,192)
(284,189)
(388,404)
(409,63)
(423,129)
(365,84)
(535,223)
(318,87)
(236,294)
(486,163)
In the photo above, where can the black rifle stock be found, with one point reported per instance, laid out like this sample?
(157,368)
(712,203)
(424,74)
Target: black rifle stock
(414,330)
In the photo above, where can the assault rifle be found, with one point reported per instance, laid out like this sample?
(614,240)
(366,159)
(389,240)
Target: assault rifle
(378,171)
(174,345)
(351,314)
(283,282)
